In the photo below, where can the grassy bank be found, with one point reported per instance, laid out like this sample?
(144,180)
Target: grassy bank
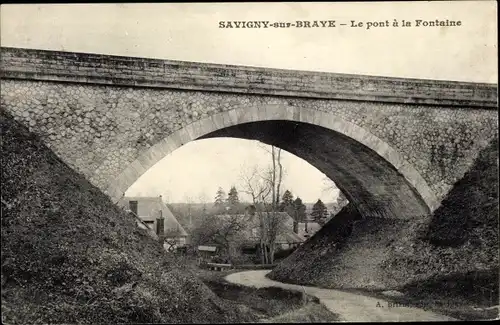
(69,255)
(311,313)
(448,260)
(268,304)
(449,305)
(454,257)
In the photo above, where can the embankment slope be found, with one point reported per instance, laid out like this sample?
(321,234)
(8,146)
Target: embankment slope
(71,256)
(454,251)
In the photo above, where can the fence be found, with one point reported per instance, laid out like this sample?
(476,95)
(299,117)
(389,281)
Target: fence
(255,266)
(219,266)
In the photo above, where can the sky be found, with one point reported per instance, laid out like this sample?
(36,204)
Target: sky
(227,162)
(190,32)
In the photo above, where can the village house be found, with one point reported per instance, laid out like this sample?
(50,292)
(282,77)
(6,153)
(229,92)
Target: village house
(308,229)
(155,214)
(248,239)
(287,238)
(206,253)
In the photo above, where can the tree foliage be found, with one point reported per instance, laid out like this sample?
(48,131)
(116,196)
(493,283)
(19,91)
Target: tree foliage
(299,209)
(219,198)
(220,230)
(286,204)
(232,197)
(319,212)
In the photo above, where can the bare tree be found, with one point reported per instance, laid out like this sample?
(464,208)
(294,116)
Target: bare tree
(227,236)
(341,201)
(259,190)
(222,230)
(264,189)
(203,198)
(273,217)
(328,185)
(189,208)
(277,160)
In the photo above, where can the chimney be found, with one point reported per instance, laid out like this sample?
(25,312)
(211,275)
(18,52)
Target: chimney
(160,226)
(133,207)
(160,223)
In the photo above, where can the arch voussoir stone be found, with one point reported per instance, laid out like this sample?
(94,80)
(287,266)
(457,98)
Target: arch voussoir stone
(100,119)
(240,115)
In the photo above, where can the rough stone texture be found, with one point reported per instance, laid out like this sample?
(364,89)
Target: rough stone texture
(91,112)
(370,183)
(346,253)
(455,249)
(71,256)
(118,70)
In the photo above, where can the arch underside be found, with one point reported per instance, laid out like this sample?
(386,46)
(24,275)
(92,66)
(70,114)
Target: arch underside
(373,185)
(369,171)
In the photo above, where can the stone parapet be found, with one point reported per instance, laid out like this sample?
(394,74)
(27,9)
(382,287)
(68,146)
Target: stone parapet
(18,63)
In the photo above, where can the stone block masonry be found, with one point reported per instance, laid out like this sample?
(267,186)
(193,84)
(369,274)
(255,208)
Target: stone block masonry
(112,118)
(128,71)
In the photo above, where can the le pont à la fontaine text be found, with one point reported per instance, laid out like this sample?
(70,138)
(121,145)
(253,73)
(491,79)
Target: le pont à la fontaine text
(335,23)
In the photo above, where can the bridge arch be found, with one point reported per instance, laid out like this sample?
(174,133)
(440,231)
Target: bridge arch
(98,118)
(397,177)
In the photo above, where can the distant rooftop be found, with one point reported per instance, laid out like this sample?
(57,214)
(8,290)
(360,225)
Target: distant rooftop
(148,209)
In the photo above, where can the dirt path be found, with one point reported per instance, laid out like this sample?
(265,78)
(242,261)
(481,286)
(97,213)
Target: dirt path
(350,307)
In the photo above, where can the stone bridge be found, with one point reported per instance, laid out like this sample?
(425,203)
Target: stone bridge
(393,146)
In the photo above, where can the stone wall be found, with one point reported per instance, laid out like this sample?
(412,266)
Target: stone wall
(100,130)
(372,184)
(127,71)
(448,250)
(114,133)
(71,256)
(346,253)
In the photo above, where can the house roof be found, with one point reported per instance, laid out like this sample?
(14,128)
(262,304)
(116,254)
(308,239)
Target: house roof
(312,228)
(289,237)
(148,209)
(142,225)
(285,234)
(207,248)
